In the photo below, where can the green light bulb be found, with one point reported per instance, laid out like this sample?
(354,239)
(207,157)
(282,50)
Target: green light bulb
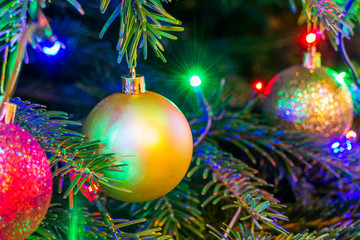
(195,81)
(340,78)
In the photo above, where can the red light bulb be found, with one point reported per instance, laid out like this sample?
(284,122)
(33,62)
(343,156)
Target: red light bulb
(311,38)
(258,86)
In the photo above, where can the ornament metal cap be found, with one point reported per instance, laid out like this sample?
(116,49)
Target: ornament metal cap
(133,83)
(312,59)
(7,113)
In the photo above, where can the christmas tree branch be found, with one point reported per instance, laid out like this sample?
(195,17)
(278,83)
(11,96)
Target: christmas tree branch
(176,213)
(326,212)
(288,151)
(343,51)
(106,216)
(56,224)
(233,221)
(234,183)
(141,22)
(245,234)
(114,225)
(13,21)
(347,230)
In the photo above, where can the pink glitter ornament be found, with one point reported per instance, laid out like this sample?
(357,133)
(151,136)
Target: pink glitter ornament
(25,183)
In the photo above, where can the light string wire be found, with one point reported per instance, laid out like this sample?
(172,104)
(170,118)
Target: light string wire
(15,63)
(21,48)
(342,48)
(3,70)
(14,72)
(4,65)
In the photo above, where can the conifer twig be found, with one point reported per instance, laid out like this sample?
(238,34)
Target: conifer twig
(106,216)
(232,222)
(142,22)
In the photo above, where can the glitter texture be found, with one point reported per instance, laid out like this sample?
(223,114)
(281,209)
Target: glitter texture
(25,183)
(311,101)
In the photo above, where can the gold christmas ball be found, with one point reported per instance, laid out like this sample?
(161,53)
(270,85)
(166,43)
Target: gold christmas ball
(314,101)
(149,134)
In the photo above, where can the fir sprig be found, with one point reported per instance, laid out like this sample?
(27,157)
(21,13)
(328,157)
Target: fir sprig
(177,213)
(245,234)
(347,230)
(56,224)
(325,212)
(235,185)
(287,151)
(141,22)
(12,22)
(89,225)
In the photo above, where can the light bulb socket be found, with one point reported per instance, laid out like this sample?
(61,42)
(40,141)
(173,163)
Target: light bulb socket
(7,113)
(133,85)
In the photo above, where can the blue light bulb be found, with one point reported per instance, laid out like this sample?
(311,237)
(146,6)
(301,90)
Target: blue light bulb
(52,50)
(335,145)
